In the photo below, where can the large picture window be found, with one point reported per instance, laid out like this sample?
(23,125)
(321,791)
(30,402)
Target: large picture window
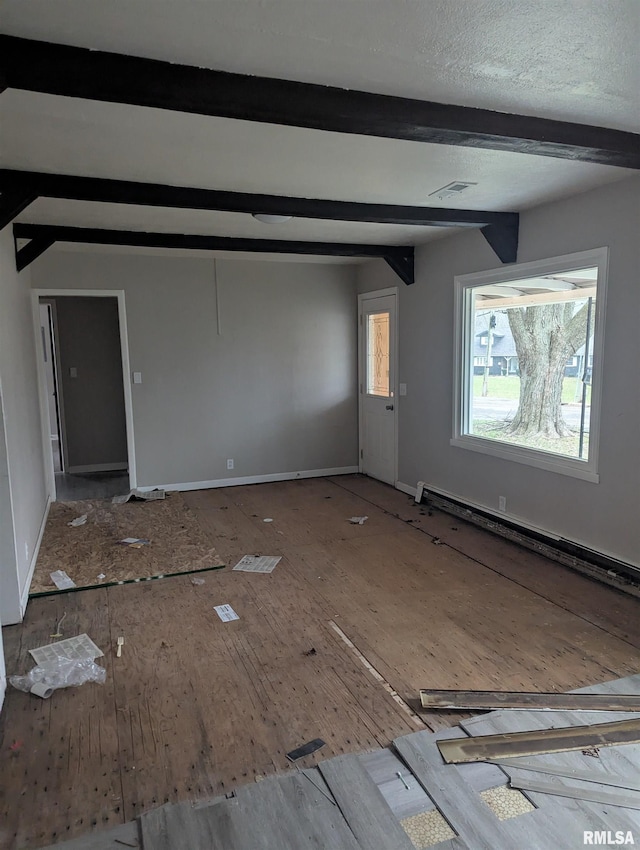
(529,362)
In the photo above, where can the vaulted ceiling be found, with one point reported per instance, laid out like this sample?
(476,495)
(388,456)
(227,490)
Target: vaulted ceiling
(571,63)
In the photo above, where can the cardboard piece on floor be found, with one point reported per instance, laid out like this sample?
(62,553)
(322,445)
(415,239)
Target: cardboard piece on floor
(226,613)
(79,520)
(134,542)
(79,647)
(62,580)
(257,563)
(139,495)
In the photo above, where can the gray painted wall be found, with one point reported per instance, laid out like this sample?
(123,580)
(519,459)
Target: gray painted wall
(602,516)
(8,572)
(275,390)
(24,472)
(94,420)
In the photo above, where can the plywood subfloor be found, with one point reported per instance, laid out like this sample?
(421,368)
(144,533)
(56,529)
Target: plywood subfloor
(89,551)
(196,707)
(564,587)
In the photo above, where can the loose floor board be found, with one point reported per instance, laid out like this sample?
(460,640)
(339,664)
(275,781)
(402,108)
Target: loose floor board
(578,791)
(629,783)
(540,741)
(491,700)
(362,805)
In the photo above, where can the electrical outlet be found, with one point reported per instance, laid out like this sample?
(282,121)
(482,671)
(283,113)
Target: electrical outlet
(230,463)
(26,551)
(502,503)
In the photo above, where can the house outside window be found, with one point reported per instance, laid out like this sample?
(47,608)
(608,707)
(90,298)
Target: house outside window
(529,342)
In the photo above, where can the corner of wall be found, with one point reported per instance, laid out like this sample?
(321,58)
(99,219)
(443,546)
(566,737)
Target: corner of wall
(23,498)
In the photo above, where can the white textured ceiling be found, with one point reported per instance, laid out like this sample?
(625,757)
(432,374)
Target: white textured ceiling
(576,60)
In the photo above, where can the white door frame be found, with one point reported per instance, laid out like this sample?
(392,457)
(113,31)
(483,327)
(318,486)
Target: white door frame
(55,344)
(36,294)
(362,297)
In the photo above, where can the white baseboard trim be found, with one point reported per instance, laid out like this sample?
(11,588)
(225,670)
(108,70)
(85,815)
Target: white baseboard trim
(253,479)
(406,488)
(499,515)
(502,516)
(24,598)
(98,467)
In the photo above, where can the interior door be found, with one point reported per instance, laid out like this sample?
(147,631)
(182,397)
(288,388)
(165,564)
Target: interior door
(378,387)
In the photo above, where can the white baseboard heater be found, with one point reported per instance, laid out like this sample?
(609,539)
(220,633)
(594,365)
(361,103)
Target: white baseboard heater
(594,564)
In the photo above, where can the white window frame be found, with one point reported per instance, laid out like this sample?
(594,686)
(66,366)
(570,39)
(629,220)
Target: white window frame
(463,363)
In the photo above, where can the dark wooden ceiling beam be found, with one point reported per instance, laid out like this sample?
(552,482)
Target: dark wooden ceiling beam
(13,200)
(22,187)
(503,238)
(32,250)
(403,264)
(40,233)
(70,187)
(78,72)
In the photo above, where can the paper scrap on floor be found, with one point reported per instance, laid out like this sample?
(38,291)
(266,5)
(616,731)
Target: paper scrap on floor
(134,542)
(226,613)
(79,520)
(62,580)
(358,520)
(78,647)
(139,495)
(257,563)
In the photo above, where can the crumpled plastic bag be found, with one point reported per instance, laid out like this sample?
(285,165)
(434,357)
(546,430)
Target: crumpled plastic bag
(61,673)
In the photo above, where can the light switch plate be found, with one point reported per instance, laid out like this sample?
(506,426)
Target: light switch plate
(403,389)
(73,372)
(137,377)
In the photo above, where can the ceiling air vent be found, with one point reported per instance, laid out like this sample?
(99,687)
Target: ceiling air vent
(451,189)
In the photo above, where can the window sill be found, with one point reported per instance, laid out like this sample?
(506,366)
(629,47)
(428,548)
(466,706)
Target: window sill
(519,454)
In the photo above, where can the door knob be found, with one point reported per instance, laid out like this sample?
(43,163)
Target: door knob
(389,407)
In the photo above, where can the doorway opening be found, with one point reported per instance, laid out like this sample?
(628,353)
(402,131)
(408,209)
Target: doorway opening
(85,393)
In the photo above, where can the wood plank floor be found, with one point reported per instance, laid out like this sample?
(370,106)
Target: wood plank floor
(196,707)
(346,802)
